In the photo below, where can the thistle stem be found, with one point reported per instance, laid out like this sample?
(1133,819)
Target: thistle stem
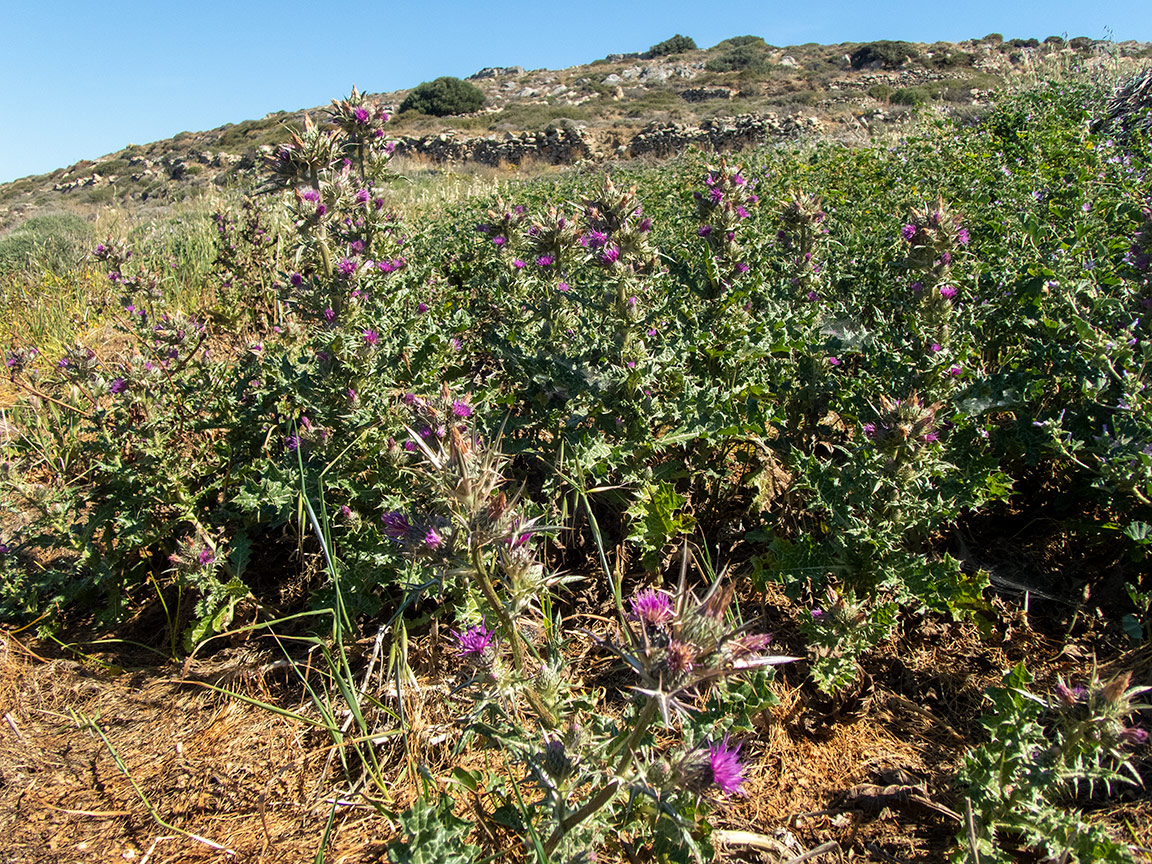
(606,794)
(489,591)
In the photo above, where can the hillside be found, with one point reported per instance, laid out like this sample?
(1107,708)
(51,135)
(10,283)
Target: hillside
(624,106)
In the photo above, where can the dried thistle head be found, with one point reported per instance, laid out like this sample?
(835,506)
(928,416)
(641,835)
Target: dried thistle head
(307,153)
(903,425)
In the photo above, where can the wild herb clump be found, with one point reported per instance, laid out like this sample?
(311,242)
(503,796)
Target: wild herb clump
(676,45)
(444,97)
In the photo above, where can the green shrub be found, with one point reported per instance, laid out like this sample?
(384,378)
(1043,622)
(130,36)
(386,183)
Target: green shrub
(111,166)
(887,53)
(443,97)
(747,57)
(909,96)
(1024,43)
(737,41)
(1080,43)
(676,45)
(993,39)
(882,92)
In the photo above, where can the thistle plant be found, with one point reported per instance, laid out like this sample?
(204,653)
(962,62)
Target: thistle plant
(617,234)
(838,634)
(503,226)
(935,237)
(1041,752)
(553,240)
(677,644)
(901,431)
(726,201)
(362,120)
(802,219)
(308,153)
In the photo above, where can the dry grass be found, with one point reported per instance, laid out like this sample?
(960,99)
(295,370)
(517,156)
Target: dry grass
(262,784)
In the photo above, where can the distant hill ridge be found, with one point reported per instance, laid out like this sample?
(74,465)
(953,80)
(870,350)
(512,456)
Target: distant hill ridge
(651,103)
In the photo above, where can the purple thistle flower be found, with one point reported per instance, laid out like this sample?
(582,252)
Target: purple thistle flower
(321,209)
(498,241)
(563,287)
(329,315)
(833,361)
(360,115)
(421,308)
(117,385)
(206,557)
(544,261)
(362,196)
(724,766)
(962,237)
(396,524)
(473,641)
(371,337)
(292,443)
(948,292)
(596,239)
(346,268)
(917,287)
(870,430)
(704,231)
(1134,736)
(518,264)
(296,279)
(432,538)
(908,232)
(461,409)
(652,606)
(610,255)
(311,195)
(716,196)
(954,371)
(936,347)
(741,267)
(645,225)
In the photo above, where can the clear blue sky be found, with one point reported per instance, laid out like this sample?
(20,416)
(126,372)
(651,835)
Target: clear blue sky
(79,79)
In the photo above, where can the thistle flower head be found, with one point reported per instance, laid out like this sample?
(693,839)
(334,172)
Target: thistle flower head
(651,606)
(474,641)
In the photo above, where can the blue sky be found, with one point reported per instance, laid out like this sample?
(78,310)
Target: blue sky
(83,79)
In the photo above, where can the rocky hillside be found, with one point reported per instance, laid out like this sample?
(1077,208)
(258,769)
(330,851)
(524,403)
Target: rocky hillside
(739,92)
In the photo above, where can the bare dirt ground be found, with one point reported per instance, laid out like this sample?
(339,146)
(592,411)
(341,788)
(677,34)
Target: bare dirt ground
(864,777)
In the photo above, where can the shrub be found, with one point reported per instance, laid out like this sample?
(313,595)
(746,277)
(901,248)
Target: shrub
(881,92)
(443,97)
(676,45)
(887,53)
(909,96)
(737,41)
(993,39)
(749,56)
(1024,43)
(1080,43)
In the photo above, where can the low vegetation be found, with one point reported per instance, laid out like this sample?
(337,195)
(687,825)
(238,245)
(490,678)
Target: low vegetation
(594,463)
